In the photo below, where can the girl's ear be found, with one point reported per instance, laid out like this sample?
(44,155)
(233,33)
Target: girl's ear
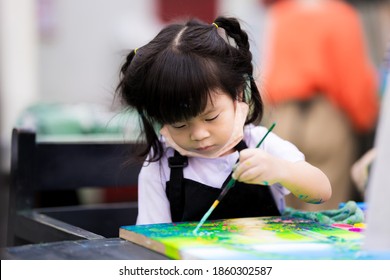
(240,96)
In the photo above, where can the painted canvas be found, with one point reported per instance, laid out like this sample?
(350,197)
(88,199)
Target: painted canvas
(250,238)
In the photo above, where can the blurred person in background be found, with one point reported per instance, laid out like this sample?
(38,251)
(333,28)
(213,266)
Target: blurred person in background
(320,87)
(361,169)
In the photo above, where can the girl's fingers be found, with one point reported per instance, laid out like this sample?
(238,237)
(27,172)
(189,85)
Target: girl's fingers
(248,174)
(241,168)
(250,168)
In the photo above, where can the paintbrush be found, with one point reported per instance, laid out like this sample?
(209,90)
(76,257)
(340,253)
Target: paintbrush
(229,185)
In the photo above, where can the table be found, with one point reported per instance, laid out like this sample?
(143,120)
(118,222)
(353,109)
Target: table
(96,249)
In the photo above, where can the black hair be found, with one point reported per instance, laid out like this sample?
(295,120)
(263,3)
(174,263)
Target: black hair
(170,79)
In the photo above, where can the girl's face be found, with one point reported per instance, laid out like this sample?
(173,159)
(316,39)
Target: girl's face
(209,131)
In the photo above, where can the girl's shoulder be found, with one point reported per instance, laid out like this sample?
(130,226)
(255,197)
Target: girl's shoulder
(273,144)
(253,134)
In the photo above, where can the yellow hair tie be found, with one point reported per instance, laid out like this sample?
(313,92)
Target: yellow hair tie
(216,25)
(135,50)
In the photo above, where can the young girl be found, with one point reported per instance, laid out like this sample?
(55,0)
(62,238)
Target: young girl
(193,89)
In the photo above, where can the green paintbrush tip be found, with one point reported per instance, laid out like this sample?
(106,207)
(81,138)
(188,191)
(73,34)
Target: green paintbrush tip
(229,185)
(208,213)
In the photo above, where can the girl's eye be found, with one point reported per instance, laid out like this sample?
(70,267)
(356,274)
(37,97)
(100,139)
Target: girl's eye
(176,125)
(213,118)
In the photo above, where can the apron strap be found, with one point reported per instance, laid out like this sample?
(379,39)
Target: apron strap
(175,191)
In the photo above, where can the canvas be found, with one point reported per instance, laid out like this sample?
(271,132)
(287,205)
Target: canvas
(251,238)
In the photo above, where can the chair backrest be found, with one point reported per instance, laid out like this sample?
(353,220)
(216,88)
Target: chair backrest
(38,166)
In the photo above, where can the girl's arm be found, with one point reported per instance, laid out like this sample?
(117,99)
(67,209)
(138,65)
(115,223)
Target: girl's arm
(305,181)
(153,204)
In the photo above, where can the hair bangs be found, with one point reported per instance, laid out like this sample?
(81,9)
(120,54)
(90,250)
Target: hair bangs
(180,85)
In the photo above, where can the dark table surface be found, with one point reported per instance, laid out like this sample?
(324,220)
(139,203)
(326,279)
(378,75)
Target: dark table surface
(96,249)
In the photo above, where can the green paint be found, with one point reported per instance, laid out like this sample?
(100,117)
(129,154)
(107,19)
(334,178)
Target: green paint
(350,213)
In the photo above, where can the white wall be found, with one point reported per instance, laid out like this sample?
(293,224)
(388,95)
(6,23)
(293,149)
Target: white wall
(18,63)
(80,57)
(65,51)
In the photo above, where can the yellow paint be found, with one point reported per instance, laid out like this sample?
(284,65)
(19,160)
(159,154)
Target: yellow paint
(360,225)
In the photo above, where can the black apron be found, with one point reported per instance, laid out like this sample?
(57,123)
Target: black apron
(190,200)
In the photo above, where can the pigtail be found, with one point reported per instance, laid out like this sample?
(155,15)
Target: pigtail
(233,30)
(121,89)
(255,104)
(243,56)
(127,63)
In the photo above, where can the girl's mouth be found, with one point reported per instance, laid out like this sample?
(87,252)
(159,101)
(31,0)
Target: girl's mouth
(205,148)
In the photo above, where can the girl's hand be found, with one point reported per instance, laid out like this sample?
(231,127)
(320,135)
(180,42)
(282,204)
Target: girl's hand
(305,181)
(258,167)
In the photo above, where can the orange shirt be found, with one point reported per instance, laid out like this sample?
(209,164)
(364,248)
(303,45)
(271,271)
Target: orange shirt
(320,47)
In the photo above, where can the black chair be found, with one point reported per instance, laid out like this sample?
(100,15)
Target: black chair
(58,166)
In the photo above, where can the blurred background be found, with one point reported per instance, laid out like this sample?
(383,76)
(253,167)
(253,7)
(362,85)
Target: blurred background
(60,59)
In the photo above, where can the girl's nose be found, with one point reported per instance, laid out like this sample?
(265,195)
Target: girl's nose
(199,133)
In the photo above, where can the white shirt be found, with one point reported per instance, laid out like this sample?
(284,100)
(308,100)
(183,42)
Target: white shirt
(153,204)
